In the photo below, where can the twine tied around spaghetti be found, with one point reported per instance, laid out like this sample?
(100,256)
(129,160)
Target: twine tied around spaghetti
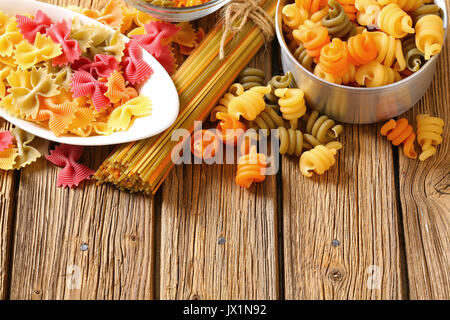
(244,10)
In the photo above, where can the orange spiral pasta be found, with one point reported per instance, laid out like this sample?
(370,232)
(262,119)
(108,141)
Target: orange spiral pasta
(313,38)
(399,132)
(251,168)
(311,5)
(230,128)
(429,134)
(334,58)
(362,49)
(205,144)
(349,8)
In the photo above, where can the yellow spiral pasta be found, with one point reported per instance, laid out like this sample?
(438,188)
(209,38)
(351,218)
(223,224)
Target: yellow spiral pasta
(368,11)
(390,52)
(407,5)
(317,160)
(394,21)
(293,16)
(429,35)
(374,74)
(347,78)
(292,104)
(249,104)
(429,134)
(236,89)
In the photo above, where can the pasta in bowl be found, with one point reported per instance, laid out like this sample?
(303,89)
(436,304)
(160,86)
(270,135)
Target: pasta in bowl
(361,61)
(70,79)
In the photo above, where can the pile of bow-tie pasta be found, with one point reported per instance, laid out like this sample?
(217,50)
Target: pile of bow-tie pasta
(367,43)
(81,79)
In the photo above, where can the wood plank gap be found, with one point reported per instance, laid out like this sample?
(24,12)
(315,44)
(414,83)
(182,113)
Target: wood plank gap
(400,226)
(10,237)
(157,246)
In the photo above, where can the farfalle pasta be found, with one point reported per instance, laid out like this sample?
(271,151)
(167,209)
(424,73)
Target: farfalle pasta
(71,78)
(363,42)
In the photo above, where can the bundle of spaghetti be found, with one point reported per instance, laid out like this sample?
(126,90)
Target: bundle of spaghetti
(201,80)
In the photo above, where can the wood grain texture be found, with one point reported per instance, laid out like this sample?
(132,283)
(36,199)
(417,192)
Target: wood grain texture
(425,198)
(340,230)
(94,242)
(218,241)
(7,200)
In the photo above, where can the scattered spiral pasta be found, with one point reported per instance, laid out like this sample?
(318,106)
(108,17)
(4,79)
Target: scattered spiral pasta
(318,160)
(322,128)
(291,141)
(268,120)
(399,132)
(249,104)
(251,168)
(429,134)
(251,77)
(234,90)
(230,128)
(292,104)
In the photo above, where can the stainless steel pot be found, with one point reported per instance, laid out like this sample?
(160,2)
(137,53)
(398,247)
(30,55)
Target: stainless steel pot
(358,105)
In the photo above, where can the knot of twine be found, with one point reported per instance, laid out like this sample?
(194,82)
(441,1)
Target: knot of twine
(244,10)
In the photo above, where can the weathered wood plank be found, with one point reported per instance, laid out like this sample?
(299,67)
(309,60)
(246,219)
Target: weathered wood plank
(425,198)
(7,196)
(218,241)
(341,229)
(93,242)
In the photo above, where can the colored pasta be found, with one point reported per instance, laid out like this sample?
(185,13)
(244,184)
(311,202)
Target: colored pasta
(251,77)
(318,160)
(429,134)
(399,132)
(337,21)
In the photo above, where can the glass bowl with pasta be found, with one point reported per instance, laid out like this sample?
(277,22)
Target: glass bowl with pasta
(361,61)
(178,10)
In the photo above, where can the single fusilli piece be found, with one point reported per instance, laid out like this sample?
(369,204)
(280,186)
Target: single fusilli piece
(429,134)
(347,78)
(249,104)
(252,77)
(292,104)
(293,16)
(322,128)
(429,35)
(317,160)
(313,37)
(349,8)
(399,132)
(368,11)
(410,5)
(394,21)
(251,168)
(291,141)
(414,57)
(337,22)
(375,74)
(362,49)
(334,58)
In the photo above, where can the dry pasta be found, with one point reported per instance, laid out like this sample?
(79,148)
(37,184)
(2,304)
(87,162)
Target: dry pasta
(429,134)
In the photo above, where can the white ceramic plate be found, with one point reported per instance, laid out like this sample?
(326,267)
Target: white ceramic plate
(159,88)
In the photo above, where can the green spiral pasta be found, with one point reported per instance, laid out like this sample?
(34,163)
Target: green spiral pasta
(322,128)
(267,120)
(293,141)
(252,77)
(337,22)
(304,58)
(278,82)
(414,57)
(424,10)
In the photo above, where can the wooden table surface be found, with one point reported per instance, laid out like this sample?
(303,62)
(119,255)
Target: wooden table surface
(376,226)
